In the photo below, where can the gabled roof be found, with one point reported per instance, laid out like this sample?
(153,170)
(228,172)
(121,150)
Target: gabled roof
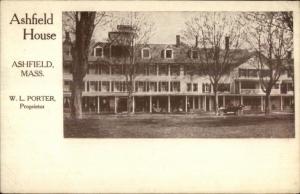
(181,54)
(252,61)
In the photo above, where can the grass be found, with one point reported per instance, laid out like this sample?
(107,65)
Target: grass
(180,126)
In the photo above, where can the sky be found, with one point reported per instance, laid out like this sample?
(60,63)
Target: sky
(166,26)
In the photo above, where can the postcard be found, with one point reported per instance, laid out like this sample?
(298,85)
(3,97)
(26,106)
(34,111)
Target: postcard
(149,97)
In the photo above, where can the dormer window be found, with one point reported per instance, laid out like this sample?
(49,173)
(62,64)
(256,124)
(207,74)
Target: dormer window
(98,51)
(194,54)
(145,53)
(169,53)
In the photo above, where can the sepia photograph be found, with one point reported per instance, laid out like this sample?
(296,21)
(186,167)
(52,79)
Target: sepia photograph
(149,96)
(178,74)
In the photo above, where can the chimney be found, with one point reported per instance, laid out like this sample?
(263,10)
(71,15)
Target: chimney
(177,40)
(196,43)
(227,42)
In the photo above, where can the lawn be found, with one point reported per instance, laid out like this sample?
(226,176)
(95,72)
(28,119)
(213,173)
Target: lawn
(180,126)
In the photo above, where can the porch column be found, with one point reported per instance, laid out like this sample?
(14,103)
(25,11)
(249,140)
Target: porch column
(204,103)
(157,70)
(98,102)
(193,102)
(210,103)
(262,103)
(223,101)
(150,105)
(199,102)
(186,99)
(240,87)
(169,104)
(242,100)
(133,104)
(115,104)
(281,103)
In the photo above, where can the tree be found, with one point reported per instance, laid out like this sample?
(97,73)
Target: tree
(134,36)
(287,19)
(82,25)
(216,30)
(272,42)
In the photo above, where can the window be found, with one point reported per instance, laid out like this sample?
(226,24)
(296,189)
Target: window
(163,86)
(140,86)
(98,51)
(116,69)
(92,69)
(276,86)
(124,86)
(194,54)
(146,53)
(99,85)
(140,69)
(169,54)
(119,86)
(248,73)
(67,68)
(289,73)
(252,72)
(163,69)
(153,86)
(264,72)
(206,88)
(224,87)
(67,86)
(152,70)
(105,86)
(290,87)
(175,70)
(189,87)
(175,86)
(195,87)
(248,85)
(93,86)
(242,73)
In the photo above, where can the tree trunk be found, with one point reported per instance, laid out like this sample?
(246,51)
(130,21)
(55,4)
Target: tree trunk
(129,103)
(80,50)
(216,105)
(267,103)
(130,96)
(76,105)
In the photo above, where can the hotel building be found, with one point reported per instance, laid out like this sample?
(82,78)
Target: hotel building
(166,81)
